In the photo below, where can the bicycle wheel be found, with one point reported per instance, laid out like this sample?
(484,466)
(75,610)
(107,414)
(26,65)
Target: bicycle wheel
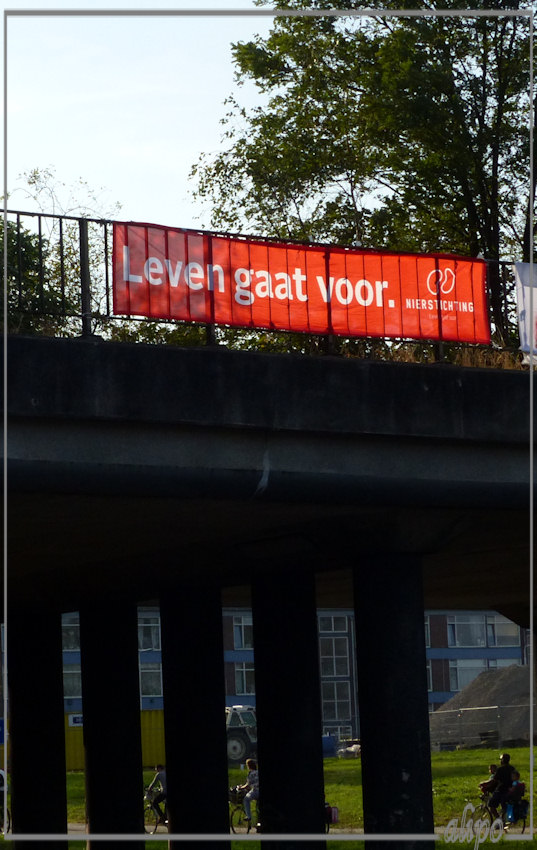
(237,820)
(150,819)
(7,826)
(480,815)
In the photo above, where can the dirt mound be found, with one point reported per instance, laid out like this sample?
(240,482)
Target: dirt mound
(493,710)
(503,686)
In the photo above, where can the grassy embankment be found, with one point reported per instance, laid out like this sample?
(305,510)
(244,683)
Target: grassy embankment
(455,779)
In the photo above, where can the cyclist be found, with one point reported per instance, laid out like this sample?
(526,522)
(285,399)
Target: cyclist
(251,787)
(504,780)
(517,789)
(160,797)
(490,783)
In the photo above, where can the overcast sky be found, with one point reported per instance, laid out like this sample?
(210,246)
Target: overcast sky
(126,104)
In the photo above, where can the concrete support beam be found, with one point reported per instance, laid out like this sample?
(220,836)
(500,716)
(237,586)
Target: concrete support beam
(392,685)
(36,723)
(111,706)
(287,662)
(195,735)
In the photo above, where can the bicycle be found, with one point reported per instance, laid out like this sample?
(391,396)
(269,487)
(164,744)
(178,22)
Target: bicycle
(482,813)
(152,816)
(238,820)
(331,815)
(515,812)
(237,815)
(511,814)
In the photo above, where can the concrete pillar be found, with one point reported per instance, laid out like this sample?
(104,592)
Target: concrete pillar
(194,729)
(392,689)
(286,651)
(36,722)
(111,707)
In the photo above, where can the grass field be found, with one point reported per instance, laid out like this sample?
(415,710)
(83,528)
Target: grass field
(455,779)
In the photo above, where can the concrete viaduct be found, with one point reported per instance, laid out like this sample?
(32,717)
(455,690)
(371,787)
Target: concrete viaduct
(197,477)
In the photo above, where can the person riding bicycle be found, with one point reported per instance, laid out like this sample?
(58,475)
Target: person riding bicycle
(517,789)
(504,780)
(515,806)
(251,786)
(489,784)
(159,781)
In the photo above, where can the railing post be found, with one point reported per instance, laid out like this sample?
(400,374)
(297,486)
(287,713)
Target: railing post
(210,334)
(85,283)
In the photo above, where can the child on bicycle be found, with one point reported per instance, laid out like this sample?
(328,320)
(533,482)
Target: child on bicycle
(251,787)
(517,789)
(489,784)
(515,806)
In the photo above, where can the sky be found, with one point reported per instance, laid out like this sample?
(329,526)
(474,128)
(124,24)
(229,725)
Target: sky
(125,104)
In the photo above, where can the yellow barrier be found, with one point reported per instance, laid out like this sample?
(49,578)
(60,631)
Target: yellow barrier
(153,738)
(152,723)
(74,744)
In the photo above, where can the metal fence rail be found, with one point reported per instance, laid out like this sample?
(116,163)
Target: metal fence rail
(485,726)
(59,277)
(58,269)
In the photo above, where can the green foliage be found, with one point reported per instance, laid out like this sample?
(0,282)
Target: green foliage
(157,333)
(43,278)
(37,302)
(402,133)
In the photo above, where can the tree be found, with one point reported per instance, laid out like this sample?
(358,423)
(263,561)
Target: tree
(36,302)
(43,255)
(403,133)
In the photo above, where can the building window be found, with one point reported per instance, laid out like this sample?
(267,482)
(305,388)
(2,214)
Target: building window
(72,681)
(494,663)
(334,654)
(148,632)
(465,670)
(333,624)
(336,701)
(429,676)
(466,630)
(502,632)
(427,631)
(244,678)
(243,633)
(342,733)
(150,679)
(70,632)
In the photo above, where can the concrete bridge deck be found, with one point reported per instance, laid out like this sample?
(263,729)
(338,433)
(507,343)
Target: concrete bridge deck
(124,456)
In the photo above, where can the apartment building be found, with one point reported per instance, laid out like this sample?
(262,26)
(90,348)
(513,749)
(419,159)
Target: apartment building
(459,646)
(462,644)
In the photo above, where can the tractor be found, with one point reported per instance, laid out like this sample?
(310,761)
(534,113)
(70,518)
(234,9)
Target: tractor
(241,727)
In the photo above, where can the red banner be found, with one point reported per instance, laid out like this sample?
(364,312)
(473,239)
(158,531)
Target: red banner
(168,273)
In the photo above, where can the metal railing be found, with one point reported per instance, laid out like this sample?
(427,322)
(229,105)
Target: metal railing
(58,273)
(489,726)
(59,279)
